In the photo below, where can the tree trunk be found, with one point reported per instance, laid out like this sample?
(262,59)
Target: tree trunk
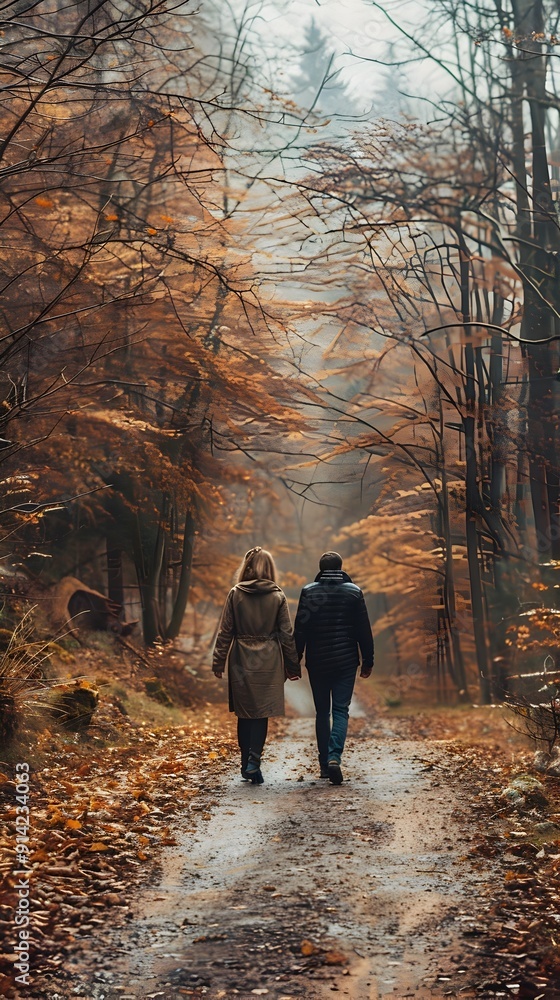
(539,245)
(499,442)
(458,672)
(148,569)
(180,603)
(454,653)
(473,502)
(115,583)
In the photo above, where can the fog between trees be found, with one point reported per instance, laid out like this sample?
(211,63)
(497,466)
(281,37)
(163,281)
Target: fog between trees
(227,320)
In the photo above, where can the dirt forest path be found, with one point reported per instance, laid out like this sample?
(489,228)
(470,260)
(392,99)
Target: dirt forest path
(299,889)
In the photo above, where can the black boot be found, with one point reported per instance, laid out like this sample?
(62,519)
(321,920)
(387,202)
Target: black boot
(244,762)
(335,773)
(253,770)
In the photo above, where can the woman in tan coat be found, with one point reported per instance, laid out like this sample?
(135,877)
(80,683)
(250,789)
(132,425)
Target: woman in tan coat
(256,640)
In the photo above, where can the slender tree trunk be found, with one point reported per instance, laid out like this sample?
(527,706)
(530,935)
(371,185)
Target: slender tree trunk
(539,246)
(455,653)
(180,604)
(499,439)
(477,601)
(151,625)
(148,570)
(499,447)
(152,583)
(459,674)
(471,477)
(115,583)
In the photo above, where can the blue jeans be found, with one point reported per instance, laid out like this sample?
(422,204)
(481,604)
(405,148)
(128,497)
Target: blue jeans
(331,692)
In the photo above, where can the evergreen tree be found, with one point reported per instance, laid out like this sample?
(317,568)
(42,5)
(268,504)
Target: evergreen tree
(318,85)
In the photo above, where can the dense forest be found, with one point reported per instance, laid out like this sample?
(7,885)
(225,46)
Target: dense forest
(280,275)
(243,302)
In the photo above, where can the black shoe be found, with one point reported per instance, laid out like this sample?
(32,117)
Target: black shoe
(335,774)
(253,770)
(324,769)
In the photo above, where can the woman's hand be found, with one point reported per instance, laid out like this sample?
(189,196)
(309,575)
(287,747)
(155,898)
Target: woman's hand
(218,673)
(294,677)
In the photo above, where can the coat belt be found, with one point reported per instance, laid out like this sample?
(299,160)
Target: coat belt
(258,638)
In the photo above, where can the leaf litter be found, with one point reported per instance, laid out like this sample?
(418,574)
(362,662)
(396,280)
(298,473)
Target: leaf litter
(100,815)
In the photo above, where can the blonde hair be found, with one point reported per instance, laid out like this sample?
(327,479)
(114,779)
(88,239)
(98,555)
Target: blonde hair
(257,564)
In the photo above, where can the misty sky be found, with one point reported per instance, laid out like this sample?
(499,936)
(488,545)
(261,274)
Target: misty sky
(359,31)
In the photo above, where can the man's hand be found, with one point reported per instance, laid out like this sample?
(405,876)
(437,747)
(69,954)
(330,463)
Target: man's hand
(218,673)
(366,673)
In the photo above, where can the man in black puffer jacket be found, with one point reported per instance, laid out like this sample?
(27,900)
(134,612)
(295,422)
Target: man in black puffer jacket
(331,625)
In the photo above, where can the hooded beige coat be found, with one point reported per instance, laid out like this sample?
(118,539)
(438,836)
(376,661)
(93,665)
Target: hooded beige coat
(256,639)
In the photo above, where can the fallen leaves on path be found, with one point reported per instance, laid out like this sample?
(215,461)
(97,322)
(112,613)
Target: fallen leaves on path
(99,816)
(518,921)
(325,956)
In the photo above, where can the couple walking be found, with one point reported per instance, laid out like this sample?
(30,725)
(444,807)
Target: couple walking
(255,638)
